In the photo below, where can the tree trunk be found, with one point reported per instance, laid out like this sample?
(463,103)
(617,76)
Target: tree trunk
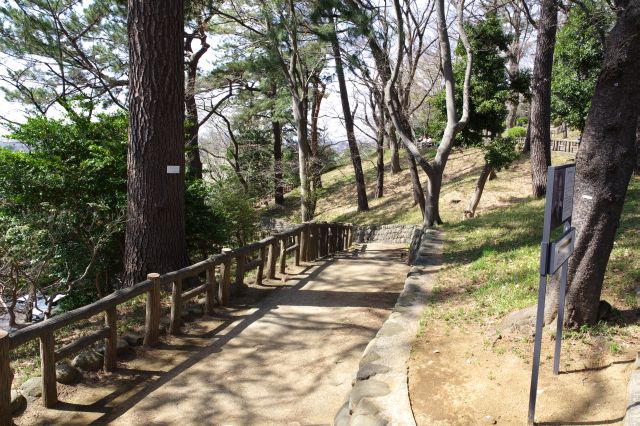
(418,193)
(361,188)
(307,201)
(395,152)
(194,163)
(316,164)
(526,149)
(380,162)
(155,235)
(278,189)
(475,200)
(604,165)
(540,120)
(638,148)
(432,201)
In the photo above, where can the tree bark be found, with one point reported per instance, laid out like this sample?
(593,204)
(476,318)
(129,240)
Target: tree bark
(278,189)
(475,199)
(526,149)
(194,163)
(416,185)
(319,89)
(604,165)
(540,121)
(307,201)
(361,188)
(380,161)
(155,235)
(395,151)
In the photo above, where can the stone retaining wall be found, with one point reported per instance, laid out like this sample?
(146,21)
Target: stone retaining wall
(380,392)
(397,233)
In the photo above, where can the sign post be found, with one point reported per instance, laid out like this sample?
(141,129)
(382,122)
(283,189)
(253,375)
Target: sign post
(553,256)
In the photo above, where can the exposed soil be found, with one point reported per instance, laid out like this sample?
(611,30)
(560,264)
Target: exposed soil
(470,374)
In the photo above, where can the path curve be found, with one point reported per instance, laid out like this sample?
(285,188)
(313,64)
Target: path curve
(289,360)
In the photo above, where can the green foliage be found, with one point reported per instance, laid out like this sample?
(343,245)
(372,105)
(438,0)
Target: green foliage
(500,152)
(517,132)
(579,53)
(229,200)
(55,56)
(62,203)
(206,224)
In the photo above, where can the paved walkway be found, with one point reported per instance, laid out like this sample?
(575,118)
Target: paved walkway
(290,360)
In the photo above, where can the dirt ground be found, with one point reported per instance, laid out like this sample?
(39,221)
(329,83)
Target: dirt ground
(471,375)
(288,359)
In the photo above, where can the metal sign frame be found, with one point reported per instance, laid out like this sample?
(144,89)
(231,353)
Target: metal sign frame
(553,256)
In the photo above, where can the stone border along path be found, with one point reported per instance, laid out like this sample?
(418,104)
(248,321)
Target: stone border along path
(380,392)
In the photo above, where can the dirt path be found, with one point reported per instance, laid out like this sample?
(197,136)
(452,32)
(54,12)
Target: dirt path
(288,360)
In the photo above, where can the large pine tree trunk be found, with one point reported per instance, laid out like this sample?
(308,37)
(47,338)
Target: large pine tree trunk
(604,165)
(540,122)
(278,189)
(361,188)
(155,235)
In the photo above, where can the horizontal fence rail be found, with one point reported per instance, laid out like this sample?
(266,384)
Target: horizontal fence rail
(307,242)
(559,145)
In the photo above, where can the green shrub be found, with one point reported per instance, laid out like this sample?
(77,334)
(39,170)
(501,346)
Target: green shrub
(516,132)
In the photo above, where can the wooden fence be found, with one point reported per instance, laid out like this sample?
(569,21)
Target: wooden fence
(559,145)
(307,242)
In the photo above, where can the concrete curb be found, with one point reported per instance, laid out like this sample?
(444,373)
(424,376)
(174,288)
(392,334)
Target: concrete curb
(632,417)
(380,392)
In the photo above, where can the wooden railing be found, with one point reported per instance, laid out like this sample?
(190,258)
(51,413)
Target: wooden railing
(559,145)
(308,242)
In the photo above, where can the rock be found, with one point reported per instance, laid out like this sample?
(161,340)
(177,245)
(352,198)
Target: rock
(66,374)
(369,370)
(32,387)
(133,339)
(90,360)
(18,402)
(123,347)
(195,310)
(524,319)
(604,310)
(186,316)
(366,389)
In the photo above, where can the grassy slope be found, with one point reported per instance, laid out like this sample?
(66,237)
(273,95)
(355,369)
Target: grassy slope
(490,261)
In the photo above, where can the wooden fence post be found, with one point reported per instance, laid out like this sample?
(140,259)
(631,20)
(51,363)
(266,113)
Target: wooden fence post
(297,241)
(6,378)
(111,342)
(263,259)
(210,295)
(240,262)
(152,316)
(283,255)
(271,259)
(48,370)
(225,278)
(312,245)
(350,235)
(176,307)
(304,244)
(324,240)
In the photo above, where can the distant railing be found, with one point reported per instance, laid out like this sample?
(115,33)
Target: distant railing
(559,145)
(308,242)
